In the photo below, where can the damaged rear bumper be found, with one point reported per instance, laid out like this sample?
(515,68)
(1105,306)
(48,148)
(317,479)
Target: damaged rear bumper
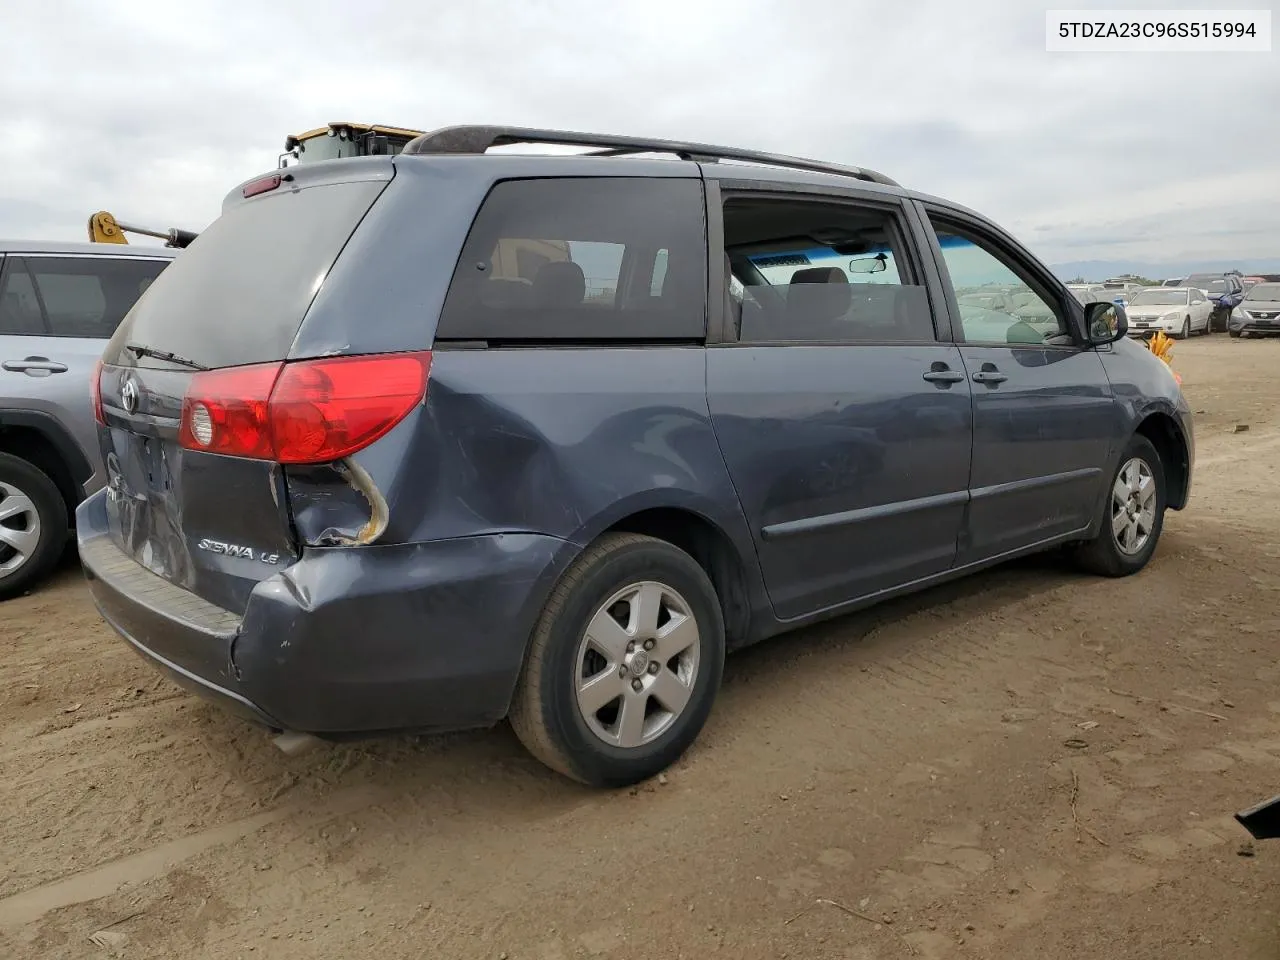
(348,640)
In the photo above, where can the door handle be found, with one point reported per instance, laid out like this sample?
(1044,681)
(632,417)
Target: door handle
(989,374)
(34,365)
(944,376)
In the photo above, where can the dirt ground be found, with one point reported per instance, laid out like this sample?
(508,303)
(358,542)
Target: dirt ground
(1029,763)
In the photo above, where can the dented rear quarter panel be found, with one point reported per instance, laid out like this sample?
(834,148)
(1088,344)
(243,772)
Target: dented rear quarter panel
(560,441)
(545,446)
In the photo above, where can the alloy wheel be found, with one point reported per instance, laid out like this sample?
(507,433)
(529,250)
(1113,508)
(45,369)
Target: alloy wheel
(1133,506)
(19,529)
(636,664)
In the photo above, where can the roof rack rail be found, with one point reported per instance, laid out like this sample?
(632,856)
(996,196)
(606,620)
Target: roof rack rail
(478,139)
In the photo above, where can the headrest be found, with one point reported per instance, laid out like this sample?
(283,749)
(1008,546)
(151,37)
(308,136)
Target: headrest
(820,275)
(560,283)
(818,295)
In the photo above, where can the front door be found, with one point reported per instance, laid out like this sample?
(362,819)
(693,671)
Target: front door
(844,419)
(1043,412)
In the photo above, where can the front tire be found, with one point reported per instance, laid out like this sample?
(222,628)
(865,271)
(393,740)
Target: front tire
(33,525)
(1186,329)
(624,664)
(1132,516)
(1235,333)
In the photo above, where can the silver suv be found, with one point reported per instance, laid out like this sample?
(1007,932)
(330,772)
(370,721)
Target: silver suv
(59,304)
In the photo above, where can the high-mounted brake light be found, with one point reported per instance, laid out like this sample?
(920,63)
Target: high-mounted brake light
(310,411)
(95,392)
(261,186)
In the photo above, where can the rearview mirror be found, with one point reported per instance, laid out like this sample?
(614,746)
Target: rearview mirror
(1106,322)
(874,264)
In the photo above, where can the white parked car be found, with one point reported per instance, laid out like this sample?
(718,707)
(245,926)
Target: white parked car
(1178,311)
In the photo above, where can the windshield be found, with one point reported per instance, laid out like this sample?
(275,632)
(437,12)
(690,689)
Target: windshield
(1159,298)
(778,268)
(1264,291)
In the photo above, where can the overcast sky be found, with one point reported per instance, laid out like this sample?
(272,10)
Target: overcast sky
(154,110)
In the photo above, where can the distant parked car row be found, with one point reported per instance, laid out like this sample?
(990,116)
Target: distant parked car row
(1181,306)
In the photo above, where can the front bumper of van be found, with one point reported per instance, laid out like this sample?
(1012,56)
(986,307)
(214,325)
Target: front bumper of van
(348,640)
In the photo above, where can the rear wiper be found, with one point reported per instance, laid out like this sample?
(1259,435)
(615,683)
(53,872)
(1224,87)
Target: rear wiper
(139,350)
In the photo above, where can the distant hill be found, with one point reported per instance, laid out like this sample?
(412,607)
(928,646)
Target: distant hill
(1102,269)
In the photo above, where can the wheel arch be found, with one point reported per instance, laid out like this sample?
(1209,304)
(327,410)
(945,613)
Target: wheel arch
(713,550)
(40,440)
(1166,436)
(718,539)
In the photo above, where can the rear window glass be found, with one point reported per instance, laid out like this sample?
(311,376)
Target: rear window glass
(582,259)
(1213,286)
(238,294)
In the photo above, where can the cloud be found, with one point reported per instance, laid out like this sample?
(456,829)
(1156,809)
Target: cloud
(155,110)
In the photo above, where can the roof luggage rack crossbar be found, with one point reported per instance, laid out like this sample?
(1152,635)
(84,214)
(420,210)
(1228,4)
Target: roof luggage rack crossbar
(476,139)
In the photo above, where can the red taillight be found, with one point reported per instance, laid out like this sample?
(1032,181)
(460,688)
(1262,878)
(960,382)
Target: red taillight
(312,411)
(225,411)
(95,391)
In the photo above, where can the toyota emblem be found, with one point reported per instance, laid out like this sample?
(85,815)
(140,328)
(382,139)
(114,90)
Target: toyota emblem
(129,396)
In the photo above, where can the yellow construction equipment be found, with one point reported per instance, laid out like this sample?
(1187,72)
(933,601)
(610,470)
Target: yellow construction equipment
(105,228)
(1162,347)
(345,139)
(330,142)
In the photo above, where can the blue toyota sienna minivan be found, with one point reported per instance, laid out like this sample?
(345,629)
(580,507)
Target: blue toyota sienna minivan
(429,441)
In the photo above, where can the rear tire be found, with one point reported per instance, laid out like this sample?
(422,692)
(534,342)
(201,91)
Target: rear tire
(624,664)
(1132,514)
(33,525)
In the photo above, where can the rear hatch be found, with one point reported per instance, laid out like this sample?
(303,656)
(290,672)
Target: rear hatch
(214,330)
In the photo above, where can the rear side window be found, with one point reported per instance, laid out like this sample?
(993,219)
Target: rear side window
(83,297)
(19,307)
(582,259)
(238,294)
(89,297)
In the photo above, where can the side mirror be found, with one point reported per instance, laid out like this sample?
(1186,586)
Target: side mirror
(1105,322)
